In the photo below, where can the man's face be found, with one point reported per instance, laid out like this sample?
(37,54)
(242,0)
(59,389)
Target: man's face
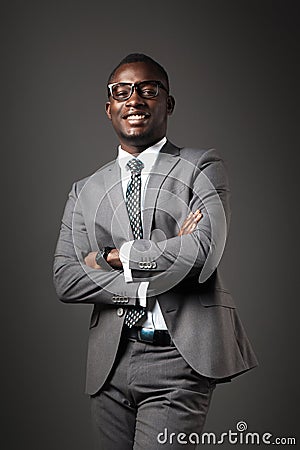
(139,122)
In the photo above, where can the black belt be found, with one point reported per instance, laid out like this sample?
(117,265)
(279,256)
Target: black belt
(154,337)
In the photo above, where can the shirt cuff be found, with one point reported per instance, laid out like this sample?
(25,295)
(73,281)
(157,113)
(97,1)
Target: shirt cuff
(124,254)
(142,293)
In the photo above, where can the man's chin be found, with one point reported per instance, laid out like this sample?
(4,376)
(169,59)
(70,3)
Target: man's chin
(136,136)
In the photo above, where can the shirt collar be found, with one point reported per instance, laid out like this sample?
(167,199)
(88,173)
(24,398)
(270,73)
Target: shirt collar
(148,156)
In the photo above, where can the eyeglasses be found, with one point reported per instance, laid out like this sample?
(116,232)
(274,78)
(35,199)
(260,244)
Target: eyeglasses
(145,89)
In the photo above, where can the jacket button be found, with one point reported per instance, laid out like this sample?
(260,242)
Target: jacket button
(120,312)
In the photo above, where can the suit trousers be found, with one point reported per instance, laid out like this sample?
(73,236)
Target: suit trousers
(151,396)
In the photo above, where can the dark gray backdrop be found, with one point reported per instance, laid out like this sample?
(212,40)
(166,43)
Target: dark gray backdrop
(233,67)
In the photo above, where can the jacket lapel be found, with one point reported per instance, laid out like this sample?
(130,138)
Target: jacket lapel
(120,224)
(167,159)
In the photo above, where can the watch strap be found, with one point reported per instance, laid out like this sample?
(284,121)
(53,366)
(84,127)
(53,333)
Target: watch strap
(102,253)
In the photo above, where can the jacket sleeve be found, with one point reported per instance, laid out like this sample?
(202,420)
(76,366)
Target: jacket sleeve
(199,253)
(74,281)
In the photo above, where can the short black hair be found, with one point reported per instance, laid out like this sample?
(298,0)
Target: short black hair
(140,57)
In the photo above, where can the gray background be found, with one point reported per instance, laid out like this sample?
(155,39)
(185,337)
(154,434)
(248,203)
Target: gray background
(232,66)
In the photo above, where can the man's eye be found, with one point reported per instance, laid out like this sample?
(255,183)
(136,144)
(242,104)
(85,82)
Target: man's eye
(121,93)
(148,91)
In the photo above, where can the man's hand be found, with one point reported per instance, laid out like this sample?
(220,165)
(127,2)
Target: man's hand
(90,260)
(190,223)
(113,258)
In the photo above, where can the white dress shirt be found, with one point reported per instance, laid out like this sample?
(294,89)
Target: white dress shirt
(148,157)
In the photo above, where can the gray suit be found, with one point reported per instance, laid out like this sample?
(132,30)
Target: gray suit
(198,310)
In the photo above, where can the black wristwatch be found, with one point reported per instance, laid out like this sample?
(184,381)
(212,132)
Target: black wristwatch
(103,253)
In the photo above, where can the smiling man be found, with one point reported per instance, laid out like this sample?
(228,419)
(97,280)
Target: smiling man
(139,121)
(141,240)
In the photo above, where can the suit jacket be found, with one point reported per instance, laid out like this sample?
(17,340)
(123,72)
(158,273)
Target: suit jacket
(183,271)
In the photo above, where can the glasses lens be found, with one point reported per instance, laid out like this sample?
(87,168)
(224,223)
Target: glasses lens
(121,91)
(147,89)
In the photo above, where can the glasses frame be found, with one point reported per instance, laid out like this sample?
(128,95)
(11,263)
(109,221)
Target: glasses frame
(136,87)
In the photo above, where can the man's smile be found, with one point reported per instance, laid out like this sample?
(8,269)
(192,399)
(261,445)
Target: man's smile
(136,117)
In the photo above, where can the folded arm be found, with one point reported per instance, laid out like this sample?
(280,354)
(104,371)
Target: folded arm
(75,282)
(198,252)
(113,257)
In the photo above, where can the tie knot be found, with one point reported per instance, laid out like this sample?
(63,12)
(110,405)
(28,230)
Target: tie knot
(135,165)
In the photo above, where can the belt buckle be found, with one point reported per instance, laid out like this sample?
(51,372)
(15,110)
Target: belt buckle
(146,335)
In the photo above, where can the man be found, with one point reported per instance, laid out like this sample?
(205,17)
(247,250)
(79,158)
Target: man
(141,239)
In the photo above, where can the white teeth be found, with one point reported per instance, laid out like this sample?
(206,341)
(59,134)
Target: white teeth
(136,116)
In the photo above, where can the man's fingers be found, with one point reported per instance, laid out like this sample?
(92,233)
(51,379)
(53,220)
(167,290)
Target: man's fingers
(192,218)
(190,222)
(188,219)
(197,215)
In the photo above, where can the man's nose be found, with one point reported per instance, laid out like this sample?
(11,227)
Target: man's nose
(135,99)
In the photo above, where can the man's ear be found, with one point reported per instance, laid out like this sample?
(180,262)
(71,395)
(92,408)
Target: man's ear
(170,104)
(107,109)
